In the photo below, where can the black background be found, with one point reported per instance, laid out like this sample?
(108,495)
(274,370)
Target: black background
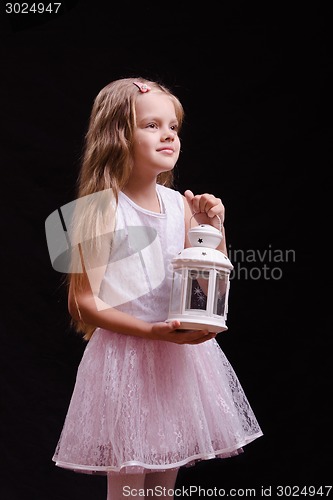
(254,79)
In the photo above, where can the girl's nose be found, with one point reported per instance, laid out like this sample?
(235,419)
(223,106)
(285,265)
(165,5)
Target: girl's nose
(168,135)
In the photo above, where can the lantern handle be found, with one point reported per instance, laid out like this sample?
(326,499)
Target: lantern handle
(196,213)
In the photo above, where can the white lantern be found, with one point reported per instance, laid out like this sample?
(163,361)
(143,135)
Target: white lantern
(200,282)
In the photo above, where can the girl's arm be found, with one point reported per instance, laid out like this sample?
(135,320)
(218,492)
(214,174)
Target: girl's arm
(88,307)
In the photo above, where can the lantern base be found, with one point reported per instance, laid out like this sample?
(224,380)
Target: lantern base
(199,324)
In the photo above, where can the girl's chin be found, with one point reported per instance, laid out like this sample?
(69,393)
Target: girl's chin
(165,170)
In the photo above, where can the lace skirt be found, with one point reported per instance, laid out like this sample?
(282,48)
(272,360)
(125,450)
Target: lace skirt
(141,405)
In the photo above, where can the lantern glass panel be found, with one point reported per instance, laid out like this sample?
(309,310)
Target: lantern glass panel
(221,287)
(196,293)
(176,292)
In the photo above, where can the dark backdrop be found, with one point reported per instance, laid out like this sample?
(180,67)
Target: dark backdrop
(255,84)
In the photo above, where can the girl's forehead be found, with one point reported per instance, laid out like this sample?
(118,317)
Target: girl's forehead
(154,103)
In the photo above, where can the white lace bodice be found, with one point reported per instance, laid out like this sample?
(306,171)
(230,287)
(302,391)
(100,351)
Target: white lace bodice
(138,275)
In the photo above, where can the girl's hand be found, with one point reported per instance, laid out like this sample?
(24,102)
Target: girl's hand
(205,207)
(170,332)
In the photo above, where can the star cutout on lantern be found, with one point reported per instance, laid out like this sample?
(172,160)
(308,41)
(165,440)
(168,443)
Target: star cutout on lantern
(200,240)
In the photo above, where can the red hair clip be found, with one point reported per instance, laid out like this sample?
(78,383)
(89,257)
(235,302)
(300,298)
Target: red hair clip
(143,87)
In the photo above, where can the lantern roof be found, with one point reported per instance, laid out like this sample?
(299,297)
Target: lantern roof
(205,235)
(202,257)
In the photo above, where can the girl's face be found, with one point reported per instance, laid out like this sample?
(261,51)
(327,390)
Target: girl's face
(156,144)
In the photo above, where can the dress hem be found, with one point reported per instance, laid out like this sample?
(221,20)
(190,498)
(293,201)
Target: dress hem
(135,464)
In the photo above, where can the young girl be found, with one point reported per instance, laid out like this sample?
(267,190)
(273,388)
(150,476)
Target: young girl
(149,398)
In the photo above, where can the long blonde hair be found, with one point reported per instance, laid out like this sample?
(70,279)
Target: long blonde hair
(106,167)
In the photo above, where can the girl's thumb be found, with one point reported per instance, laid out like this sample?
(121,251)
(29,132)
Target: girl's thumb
(189,195)
(174,325)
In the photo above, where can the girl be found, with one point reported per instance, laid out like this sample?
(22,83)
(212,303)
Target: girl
(148,398)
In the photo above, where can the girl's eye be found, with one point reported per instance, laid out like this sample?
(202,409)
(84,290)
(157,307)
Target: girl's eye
(153,125)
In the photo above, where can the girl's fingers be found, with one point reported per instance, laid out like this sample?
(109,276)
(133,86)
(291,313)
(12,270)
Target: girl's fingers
(189,198)
(204,203)
(193,336)
(189,195)
(173,325)
(171,333)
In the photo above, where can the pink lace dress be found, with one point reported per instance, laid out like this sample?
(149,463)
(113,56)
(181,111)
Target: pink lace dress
(141,405)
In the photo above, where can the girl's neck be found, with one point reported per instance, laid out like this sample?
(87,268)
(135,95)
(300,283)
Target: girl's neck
(143,195)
